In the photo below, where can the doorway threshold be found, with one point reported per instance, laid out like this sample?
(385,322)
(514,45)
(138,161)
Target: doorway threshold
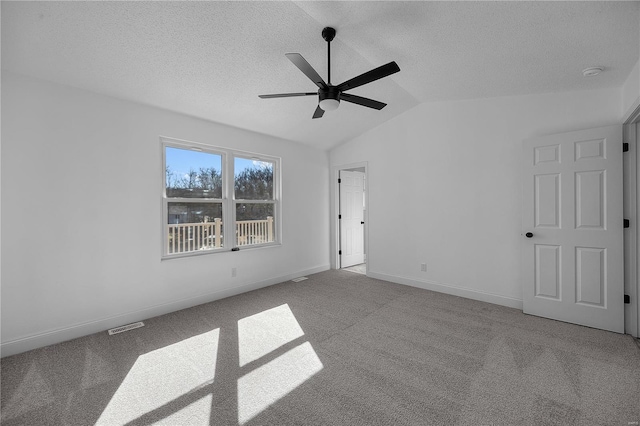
(358,269)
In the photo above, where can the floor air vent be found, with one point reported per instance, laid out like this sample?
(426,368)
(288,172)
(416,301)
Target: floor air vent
(297,280)
(124,328)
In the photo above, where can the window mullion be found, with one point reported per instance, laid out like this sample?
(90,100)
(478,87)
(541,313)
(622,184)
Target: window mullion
(255,201)
(193,200)
(229,229)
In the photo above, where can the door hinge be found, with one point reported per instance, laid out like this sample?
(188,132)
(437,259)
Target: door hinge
(625,147)
(339,216)
(339,180)
(339,252)
(627,299)
(626,223)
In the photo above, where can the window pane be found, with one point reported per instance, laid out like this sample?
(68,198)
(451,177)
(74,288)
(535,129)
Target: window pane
(192,174)
(194,226)
(255,224)
(253,179)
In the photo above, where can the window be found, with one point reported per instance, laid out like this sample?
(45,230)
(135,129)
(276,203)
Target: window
(216,199)
(193,201)
(254,203)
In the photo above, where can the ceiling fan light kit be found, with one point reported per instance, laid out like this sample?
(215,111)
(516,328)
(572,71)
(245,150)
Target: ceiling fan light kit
(329,104)
(329,99)
(329,96)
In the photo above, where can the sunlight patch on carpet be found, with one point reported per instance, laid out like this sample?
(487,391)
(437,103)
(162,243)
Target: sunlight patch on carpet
(265,332)
(163,375)
(271,382)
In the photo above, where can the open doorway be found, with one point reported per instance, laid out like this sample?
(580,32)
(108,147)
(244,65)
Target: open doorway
(352,210)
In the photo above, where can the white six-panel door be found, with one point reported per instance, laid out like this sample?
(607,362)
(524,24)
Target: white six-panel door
(352,218)
(572,239)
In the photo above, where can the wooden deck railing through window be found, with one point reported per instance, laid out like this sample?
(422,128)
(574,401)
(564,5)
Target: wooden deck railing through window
(188,237)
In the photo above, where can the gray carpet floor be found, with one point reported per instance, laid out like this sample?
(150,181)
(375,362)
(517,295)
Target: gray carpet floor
(337,349)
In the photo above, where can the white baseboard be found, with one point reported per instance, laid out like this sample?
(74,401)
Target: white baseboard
(51,337)
(451,289)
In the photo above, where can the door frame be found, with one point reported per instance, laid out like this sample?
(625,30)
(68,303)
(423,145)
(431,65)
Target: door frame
(631,135)
(335,211)
(352,187)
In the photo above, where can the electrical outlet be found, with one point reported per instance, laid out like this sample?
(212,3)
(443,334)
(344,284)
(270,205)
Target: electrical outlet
(423,267)
(234,272)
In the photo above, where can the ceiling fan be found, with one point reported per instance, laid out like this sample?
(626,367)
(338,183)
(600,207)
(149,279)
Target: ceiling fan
(329,96)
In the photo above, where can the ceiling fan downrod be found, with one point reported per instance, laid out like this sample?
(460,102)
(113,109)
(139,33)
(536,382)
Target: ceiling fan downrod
(328,34)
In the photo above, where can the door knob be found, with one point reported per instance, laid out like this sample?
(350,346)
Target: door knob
(529,234)
(361,223)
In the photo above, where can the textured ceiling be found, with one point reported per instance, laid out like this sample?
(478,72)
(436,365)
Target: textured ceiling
(212,59)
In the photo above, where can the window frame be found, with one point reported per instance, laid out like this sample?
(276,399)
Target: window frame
(228,199)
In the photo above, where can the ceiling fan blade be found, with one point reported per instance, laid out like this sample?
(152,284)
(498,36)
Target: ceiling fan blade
(319,112)
(307,69)
(362,101)
(369,76)
(287,95)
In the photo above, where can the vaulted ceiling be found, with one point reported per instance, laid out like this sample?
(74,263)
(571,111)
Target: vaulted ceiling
(213,59)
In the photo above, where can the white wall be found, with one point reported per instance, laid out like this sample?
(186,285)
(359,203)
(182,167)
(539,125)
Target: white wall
(81,215)
(445,187)
(631,92)
(631,88)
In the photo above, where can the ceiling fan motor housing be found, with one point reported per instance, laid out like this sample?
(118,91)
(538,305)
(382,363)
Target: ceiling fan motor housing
(329,98)
(331,92)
